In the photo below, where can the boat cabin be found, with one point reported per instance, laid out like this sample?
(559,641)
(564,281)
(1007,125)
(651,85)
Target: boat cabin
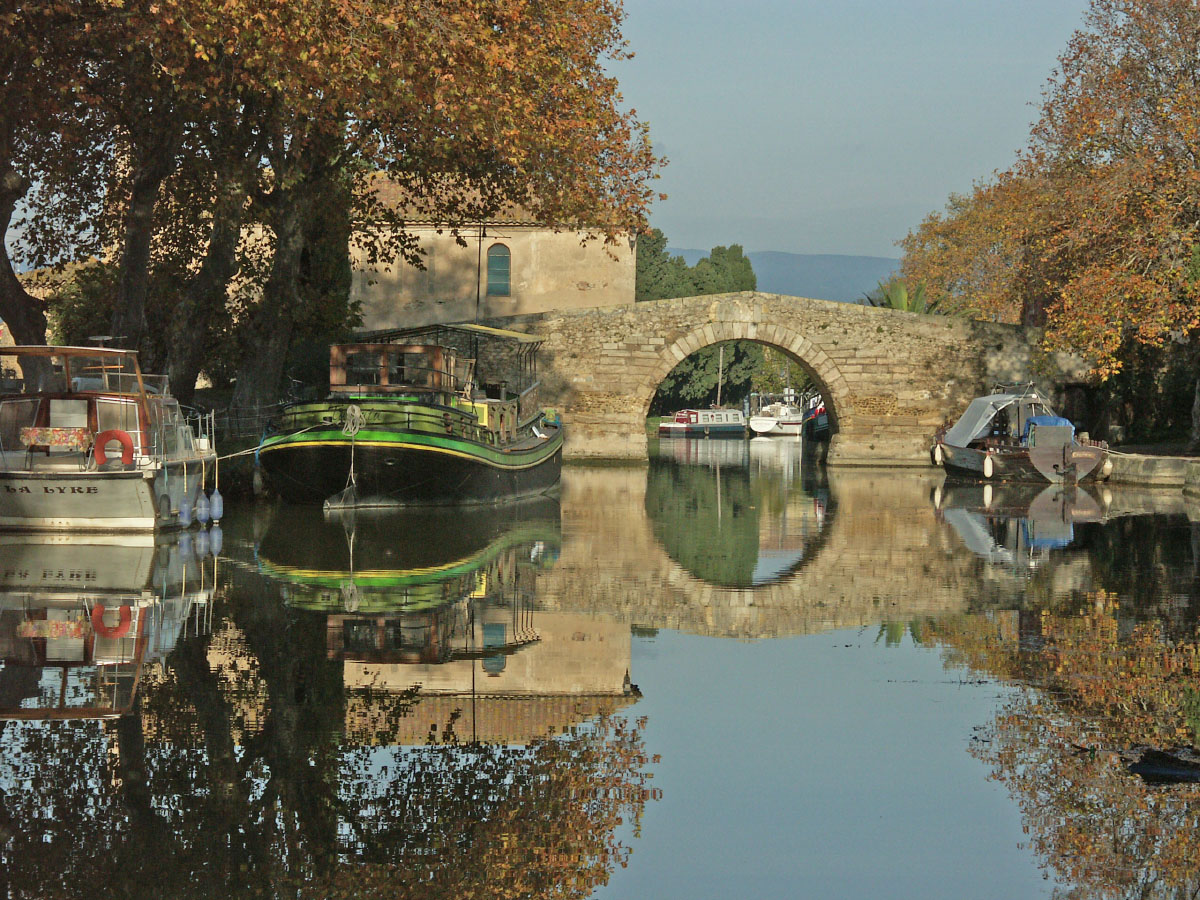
(396,368)
(1009,417)
(54,401)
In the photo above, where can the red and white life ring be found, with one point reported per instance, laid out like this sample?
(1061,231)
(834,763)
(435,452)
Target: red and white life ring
(122,629)
(114,434)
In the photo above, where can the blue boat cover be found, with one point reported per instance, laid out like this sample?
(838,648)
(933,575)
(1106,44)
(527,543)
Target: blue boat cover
(1046,420)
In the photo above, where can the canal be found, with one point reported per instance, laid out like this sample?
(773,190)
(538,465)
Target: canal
(724,673)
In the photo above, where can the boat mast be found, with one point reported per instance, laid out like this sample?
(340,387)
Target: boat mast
(720,373)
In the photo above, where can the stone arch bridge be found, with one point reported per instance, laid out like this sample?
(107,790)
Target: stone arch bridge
(889,378)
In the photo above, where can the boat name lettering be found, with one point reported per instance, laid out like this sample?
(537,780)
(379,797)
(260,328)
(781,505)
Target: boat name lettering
(51,489)
(68,575)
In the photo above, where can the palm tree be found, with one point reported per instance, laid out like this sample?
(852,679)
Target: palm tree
(894,294)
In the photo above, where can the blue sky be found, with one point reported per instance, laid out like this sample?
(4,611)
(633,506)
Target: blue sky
(832,126)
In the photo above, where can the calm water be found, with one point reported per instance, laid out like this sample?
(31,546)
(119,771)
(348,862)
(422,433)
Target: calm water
(724,674)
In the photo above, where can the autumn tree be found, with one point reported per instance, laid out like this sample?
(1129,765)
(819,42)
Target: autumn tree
(45,126)
(1093,229)
(222,126)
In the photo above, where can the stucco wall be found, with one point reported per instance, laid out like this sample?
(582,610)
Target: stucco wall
(549,271)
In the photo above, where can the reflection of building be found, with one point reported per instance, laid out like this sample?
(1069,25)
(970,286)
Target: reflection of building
(577,667)
(81,615)
(446,635)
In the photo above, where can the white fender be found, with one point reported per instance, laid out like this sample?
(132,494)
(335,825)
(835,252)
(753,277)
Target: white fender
(938,456)
(987,496)
(989,467)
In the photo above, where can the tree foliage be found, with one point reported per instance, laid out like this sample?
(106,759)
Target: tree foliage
(174,128)
(1099,692)
(1093,229)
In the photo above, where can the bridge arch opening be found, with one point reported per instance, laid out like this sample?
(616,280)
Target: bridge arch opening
(698,353)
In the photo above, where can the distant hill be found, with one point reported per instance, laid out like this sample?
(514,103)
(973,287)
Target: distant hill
(822,276)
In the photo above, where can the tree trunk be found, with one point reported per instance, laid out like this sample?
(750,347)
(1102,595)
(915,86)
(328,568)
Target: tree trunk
(24,315)
(156,159)
(269,331)
(206,294)
(129,327)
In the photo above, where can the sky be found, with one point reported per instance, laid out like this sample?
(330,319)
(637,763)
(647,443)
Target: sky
(832,126)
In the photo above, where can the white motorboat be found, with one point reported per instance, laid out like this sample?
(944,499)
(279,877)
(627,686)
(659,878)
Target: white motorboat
(778,419)
(89,442)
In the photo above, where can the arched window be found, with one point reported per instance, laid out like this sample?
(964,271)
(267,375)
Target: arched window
(499,271)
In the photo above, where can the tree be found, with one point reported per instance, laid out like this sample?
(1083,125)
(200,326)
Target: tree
(660,276)
(216,121)
(1093,229)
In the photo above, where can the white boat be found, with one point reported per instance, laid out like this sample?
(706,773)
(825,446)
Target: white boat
(89,442)
(777,419)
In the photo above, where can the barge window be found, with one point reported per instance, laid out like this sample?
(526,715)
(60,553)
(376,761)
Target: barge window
(68,413)
(362,367)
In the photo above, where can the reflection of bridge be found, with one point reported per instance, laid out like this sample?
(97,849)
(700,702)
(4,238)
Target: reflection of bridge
(889,378)
(882,557)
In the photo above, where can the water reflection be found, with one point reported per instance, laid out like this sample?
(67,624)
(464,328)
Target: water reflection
(736,513)
(1016,525)
(80,618)
(380,708)
(443,704)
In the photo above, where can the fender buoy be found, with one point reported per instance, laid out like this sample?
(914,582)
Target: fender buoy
(122,629)
(938,456)
(114,434)
(989,467)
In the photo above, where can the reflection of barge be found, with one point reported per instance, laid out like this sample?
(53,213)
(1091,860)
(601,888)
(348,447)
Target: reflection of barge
(435,619)
(81,616)
(390,562)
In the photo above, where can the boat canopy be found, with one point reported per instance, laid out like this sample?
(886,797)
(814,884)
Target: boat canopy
(977,420)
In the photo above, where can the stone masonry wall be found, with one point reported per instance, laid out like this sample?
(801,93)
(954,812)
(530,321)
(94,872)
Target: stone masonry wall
(890,379)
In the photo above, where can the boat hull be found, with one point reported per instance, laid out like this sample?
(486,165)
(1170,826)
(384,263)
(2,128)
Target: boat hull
(675,429)
(406,469)
(1024,465)
(770,426)
(73,500)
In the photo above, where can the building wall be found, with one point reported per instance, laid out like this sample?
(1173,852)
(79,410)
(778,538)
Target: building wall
(548,271)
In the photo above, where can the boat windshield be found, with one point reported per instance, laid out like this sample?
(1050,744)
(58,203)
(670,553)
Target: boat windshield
(40,370)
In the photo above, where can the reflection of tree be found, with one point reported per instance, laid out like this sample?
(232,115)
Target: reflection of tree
(233,777)
(706,519)
(718,521)
(1096,694)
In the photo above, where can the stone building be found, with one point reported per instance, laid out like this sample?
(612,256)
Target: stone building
(507,266)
